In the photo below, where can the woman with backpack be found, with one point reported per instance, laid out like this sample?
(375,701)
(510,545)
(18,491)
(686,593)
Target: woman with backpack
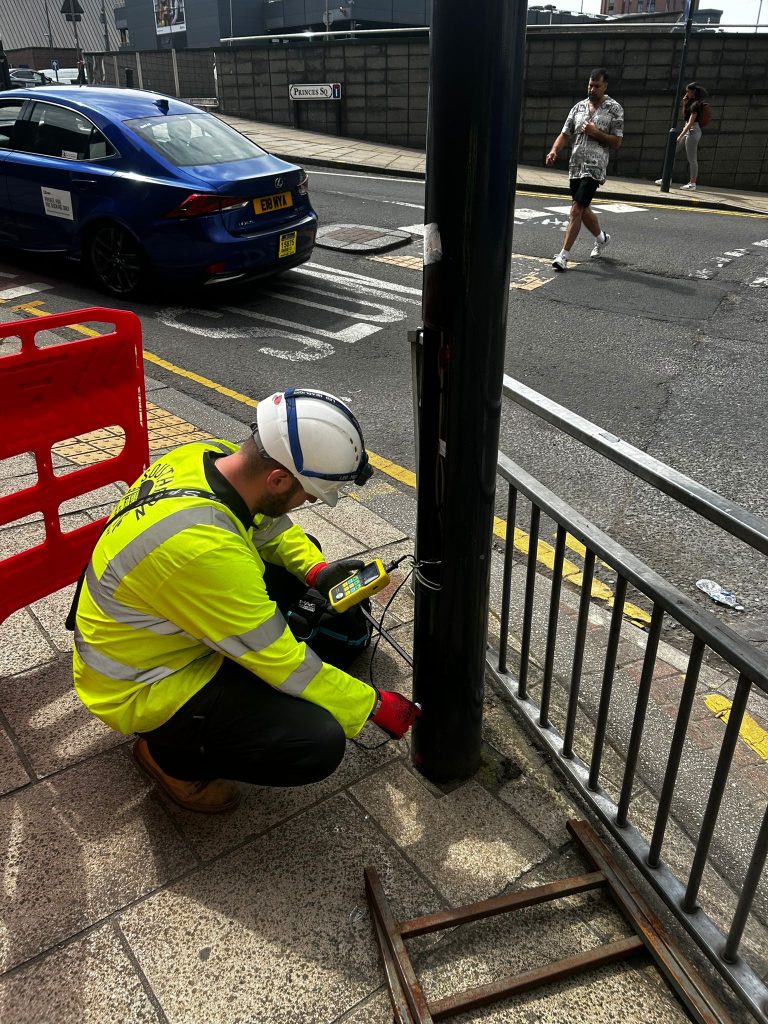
(697,115)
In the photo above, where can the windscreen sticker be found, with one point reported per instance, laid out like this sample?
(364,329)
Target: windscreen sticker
(67,154)
(57,203)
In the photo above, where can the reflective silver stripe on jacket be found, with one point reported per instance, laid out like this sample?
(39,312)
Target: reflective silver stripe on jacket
(126,560)
(270,530)
(297,682)
(257,639)
(124,614)
(102,589)
(116,669)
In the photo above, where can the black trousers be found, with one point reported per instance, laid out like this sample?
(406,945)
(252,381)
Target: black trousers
(239,727)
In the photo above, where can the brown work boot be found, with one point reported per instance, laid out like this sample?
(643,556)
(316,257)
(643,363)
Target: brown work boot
(206,797)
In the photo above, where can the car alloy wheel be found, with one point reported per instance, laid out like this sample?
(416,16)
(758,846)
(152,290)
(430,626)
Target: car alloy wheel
(116,259)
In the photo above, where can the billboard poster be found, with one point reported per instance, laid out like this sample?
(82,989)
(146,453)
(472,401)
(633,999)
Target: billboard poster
(169,16)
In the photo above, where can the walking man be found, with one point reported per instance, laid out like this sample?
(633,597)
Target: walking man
(595,125)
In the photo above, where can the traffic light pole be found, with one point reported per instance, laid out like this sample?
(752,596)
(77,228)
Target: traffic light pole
(475,95)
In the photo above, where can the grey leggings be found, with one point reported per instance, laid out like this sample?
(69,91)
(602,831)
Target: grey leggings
(691,143)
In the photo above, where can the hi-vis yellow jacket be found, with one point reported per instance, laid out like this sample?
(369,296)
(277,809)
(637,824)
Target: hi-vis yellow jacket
(176,585)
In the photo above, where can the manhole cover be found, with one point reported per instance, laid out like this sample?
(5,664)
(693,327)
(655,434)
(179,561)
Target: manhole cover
(360,238)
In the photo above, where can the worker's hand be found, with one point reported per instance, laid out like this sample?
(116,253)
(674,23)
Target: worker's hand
(394,713)
(326,575)
(590,129)
(551,157)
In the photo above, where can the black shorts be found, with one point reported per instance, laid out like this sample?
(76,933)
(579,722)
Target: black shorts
(583,190)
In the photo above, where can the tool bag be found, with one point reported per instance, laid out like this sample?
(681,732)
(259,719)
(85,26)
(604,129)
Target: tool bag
(336,639)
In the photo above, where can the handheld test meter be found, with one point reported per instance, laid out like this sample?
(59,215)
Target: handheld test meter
(369,580)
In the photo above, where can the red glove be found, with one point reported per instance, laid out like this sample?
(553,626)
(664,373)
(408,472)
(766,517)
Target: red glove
(394,713)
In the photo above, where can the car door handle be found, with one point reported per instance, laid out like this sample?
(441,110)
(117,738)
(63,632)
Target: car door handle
(83,183)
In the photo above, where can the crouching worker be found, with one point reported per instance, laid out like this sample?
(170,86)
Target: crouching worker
(178,636)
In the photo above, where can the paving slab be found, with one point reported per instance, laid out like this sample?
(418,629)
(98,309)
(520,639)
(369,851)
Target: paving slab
(89,981)
(23,645)
(465,842)
(13,774)
(49,721)
(80,846)
(276,931)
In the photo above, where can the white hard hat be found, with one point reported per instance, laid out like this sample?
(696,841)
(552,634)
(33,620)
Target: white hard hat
(317,439)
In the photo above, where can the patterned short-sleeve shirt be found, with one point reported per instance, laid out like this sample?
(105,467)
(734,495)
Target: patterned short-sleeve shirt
(589,158)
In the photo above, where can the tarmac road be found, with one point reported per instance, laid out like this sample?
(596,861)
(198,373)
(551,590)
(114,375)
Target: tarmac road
(661,343)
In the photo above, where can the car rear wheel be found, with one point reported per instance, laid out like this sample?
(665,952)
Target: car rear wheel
(116,260)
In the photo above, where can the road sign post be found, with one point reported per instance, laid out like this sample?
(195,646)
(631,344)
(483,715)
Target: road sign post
(475,94)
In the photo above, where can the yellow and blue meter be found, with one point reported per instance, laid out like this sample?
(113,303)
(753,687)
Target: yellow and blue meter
(367,581)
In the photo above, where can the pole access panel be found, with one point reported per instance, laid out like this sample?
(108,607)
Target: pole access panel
(475,95)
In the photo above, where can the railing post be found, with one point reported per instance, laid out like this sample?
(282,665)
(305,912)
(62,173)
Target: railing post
(471,156)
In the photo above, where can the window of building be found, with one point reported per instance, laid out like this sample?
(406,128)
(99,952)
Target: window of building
(125,39)
(58,131)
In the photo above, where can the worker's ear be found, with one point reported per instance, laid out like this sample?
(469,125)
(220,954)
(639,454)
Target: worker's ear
(279,482)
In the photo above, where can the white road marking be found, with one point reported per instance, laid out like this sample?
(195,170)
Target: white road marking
(558,209)
(759,282)
(525,214)
(386,314)
(763,242)
(621,208)
(23,289)
(360,283)
(372,199)
(314,348)
(706,273)
(351,334)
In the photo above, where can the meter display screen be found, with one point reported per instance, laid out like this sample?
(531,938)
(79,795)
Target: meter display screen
(369,573)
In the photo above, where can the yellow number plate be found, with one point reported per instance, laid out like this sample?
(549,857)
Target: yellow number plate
(268,204)
(287,245)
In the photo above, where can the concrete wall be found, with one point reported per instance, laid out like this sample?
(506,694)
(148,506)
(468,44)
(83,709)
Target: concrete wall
(385,92)
(384,87)
(194,68)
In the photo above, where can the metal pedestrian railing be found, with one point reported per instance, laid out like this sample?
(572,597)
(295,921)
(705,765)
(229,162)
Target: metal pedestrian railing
(725,824)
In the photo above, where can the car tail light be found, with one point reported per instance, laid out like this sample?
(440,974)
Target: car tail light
(303,186)
(199,204)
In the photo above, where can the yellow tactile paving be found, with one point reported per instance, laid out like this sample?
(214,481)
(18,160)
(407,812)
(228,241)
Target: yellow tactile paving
(409,262)
(524,273)
(164,429)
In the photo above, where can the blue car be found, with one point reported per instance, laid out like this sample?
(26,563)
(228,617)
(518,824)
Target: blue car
(144,188)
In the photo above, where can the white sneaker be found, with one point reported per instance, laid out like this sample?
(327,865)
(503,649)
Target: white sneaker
(597,248)
(560,262)
(691,186)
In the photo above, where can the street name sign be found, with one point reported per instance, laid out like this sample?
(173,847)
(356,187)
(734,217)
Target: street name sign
(319,91)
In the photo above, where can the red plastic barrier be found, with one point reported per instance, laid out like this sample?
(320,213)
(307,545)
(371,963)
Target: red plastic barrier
(51,394)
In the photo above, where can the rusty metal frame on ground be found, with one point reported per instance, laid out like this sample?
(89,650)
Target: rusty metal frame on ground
(410,1005)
